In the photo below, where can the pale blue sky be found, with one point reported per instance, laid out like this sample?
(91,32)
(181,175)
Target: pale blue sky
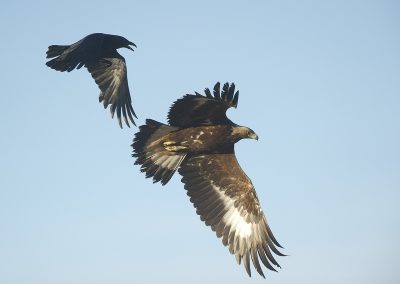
(319,82)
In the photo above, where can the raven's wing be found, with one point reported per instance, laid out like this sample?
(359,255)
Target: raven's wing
(76,55)
(195,110)
(226,200)
(110,75)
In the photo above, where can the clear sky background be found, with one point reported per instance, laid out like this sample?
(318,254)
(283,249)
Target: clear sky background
(319,82)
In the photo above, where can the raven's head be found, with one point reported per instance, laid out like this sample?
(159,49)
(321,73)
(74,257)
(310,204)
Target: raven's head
(120,41)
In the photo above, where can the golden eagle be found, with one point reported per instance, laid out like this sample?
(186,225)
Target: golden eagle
(98,53)
(199,143)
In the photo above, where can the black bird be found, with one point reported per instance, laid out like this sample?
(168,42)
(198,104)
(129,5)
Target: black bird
(98,53)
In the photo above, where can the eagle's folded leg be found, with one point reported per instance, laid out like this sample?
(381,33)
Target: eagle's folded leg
(173,146)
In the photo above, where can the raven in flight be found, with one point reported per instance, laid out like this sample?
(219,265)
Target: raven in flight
(98,53)
(199,143)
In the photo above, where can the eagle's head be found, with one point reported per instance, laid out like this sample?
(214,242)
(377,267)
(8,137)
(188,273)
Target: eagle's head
(242,132)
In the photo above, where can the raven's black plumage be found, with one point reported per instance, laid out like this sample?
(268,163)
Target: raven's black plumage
(98,53)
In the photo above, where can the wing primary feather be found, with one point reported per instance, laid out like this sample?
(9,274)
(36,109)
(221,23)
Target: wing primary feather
(269,255)
(112,109)
(255,261)
(231,91)
(224,94)
(217,91)
(119,116)
(238,258)
(246,263)
(207,92)
(128,110)
(271,235)
(264,259)
(124,114)
(273,248)
(132,111)
(106,101)
(235,99)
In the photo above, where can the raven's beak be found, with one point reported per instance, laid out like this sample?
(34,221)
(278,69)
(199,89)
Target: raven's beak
(128,46)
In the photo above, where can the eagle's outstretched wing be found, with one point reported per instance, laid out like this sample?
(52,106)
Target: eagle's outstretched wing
(110,75)
(195,110)
(226,200)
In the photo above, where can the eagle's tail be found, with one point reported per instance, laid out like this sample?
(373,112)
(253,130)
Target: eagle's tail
(152,154)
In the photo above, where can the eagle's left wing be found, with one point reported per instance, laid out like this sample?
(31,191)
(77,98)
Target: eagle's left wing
(195,110)
(110,75)
(226,200)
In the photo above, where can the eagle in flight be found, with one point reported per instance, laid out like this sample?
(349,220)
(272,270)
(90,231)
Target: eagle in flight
(98,53)
(199,142)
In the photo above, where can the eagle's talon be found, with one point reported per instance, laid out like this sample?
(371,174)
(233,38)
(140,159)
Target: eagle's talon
(175,148)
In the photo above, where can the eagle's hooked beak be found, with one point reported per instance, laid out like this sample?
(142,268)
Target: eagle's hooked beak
(253,136)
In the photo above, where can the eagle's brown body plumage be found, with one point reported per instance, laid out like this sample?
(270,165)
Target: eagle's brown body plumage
(199,143)
(203,138)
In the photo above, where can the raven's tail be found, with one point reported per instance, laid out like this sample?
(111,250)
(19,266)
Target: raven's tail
(153,153)
(65,60)
(55,50)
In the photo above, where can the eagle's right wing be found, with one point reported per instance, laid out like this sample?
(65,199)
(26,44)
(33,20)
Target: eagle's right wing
(225,199)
